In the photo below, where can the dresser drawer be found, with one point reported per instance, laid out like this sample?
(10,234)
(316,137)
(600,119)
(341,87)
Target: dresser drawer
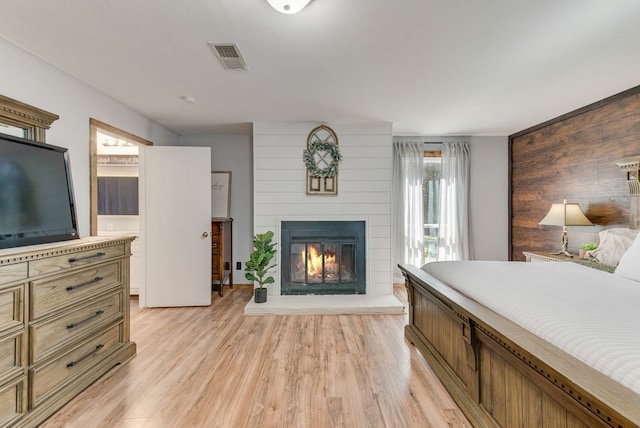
(215,264)
(11,273)
(11,361)
(50,294)
(47,337)
(216,245)
(71,260)
(216,228)
(12,404)
(56,373)
(11,307)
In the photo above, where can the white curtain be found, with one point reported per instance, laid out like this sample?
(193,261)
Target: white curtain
(406,212)
(453,241)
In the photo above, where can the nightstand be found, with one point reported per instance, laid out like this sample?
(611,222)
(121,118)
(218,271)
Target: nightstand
(539,256)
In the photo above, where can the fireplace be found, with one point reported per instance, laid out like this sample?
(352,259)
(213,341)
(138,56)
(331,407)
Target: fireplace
(323,257)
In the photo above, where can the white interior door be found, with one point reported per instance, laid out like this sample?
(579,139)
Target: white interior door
(175,207)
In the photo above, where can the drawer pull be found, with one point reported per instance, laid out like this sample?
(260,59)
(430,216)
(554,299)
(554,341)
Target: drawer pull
(75,324)
(79,259)
(99,346)
(84,284)
(214,245)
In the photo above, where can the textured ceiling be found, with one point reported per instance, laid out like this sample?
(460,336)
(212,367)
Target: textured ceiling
(431,67)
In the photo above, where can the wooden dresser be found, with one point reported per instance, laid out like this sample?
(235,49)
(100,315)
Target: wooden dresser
(221,263)
(64,322)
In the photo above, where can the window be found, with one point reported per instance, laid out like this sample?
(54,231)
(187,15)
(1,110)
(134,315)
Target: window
(117,195)
(431,203)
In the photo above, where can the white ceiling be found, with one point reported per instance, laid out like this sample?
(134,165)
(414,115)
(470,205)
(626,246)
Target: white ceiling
(431,67)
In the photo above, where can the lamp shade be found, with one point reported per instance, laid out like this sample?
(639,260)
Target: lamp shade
(565,214)
(288,6)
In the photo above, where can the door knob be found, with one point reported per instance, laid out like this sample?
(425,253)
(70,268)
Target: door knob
(205,234)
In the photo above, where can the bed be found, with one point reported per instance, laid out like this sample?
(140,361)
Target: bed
(530,344)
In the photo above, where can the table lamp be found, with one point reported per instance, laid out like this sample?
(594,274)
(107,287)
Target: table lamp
(565,214)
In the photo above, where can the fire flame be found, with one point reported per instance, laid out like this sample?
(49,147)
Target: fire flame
(314,263)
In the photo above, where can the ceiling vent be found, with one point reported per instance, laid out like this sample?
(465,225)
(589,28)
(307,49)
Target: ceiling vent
(229,56)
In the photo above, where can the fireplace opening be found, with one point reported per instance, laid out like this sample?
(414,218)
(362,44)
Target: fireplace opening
(330,262)
(323,257)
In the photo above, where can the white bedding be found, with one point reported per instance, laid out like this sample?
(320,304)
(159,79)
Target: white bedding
(592,315)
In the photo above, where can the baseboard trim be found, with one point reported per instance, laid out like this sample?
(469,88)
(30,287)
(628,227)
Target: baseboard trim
(326,305)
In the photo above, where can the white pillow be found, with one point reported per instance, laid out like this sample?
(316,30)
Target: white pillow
(629,266)
(613,244)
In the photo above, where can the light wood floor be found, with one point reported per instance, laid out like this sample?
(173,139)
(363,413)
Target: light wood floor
(214,367)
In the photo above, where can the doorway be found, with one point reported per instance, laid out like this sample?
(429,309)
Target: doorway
(114,191)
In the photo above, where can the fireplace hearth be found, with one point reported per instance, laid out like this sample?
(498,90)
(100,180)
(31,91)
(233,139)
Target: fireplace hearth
(323,257)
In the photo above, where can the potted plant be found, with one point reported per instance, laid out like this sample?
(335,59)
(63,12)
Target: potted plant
(587,247)
(259,264)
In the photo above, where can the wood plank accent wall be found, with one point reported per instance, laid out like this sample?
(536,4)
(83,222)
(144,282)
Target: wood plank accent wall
(573,157)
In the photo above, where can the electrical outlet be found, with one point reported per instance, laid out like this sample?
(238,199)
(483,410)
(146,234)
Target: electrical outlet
(238,265)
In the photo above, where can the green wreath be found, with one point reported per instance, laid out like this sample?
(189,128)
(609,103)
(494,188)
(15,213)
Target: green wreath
(309,157)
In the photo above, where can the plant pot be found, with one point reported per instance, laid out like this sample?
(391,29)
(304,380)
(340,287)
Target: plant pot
(582,254)
(260,295)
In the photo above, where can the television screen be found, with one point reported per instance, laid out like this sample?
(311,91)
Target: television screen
(36,193)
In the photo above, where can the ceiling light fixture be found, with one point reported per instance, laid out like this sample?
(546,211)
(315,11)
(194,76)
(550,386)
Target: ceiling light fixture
(288,6)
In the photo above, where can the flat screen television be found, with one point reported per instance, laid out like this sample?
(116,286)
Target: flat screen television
(36,193)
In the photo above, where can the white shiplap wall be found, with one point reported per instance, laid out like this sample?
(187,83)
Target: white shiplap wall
(364,187)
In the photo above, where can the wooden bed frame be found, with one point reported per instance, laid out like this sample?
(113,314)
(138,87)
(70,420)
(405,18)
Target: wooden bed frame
(501,374)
